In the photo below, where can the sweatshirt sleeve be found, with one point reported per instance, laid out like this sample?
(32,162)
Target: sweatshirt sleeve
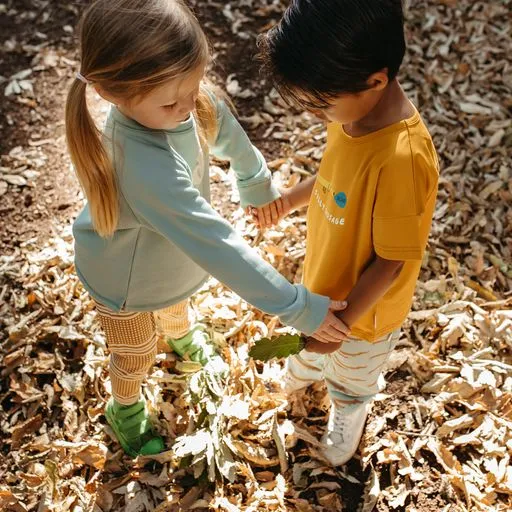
(157,185)
(254,180)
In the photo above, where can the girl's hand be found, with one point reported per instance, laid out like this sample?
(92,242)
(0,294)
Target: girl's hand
(270,214)
(332,331)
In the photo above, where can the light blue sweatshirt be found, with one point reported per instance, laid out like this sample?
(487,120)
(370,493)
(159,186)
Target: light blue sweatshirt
(169,239)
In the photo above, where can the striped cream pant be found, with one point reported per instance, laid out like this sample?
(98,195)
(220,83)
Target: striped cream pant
(133,340)
(352,374)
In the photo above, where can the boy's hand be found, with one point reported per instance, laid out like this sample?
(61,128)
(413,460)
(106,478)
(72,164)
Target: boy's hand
(332,331)
(371,286)
(270,214)
(319,347)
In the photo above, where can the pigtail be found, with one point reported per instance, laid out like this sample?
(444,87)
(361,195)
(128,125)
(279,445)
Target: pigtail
(206,110)
(206,115)
(92,164)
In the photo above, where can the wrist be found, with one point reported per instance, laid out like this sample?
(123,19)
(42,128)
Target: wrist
(289,200)
(347,319)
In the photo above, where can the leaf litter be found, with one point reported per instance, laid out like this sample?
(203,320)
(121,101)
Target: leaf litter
(439,436)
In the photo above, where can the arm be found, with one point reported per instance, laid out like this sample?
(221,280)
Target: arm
(291,199)
(300,195)
(371,286)
(164,199)
(254,180)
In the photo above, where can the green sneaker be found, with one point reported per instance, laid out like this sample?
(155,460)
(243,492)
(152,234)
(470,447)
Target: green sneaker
(132,428)
(198,346)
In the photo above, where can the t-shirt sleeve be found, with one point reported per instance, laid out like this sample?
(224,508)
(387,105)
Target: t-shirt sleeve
(158,187)
(407,184)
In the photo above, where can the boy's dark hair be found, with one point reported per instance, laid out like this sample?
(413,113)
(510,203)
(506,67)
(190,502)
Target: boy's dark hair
(324,48)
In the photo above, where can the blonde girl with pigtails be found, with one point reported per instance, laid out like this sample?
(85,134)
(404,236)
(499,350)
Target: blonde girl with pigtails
(147,238)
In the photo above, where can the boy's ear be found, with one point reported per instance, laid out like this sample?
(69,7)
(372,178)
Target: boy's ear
(379,80)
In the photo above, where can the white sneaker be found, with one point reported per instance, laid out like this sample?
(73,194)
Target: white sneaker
(302,370)
(343,431)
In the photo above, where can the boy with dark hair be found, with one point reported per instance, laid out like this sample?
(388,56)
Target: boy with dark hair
(372,201)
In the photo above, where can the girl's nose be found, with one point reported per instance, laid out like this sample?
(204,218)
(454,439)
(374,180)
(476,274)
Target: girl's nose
(191,101)
(188,105)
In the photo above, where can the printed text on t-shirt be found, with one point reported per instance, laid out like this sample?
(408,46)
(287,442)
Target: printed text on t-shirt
(338,221)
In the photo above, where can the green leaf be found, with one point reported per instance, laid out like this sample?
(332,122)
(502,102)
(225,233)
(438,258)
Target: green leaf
(279,346)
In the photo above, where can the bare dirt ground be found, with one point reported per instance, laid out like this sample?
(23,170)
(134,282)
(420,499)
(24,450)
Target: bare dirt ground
(439,436)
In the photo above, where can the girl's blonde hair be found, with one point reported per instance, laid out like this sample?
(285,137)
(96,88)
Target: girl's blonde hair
(128,48)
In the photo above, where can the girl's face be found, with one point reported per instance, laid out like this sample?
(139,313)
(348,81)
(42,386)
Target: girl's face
(168,105)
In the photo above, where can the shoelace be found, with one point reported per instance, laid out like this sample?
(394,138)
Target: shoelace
(340,423)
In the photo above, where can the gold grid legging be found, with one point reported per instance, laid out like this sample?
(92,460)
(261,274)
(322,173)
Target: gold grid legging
(133,340)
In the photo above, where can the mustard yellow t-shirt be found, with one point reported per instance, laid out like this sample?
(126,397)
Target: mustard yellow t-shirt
(373,194)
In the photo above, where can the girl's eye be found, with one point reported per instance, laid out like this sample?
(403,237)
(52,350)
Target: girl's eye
(170,107)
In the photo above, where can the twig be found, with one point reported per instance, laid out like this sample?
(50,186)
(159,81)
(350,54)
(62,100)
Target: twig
(414,434)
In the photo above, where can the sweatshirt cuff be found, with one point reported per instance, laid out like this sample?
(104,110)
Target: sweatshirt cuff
(314,312)
(259,193)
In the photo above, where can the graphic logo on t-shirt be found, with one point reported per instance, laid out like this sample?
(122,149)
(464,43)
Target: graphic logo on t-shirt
(341,199)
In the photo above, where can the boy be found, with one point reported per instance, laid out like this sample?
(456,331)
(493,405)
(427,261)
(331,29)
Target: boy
(371,204)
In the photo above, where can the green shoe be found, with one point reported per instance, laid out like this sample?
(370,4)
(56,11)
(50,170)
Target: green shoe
(198,346)
(132,428)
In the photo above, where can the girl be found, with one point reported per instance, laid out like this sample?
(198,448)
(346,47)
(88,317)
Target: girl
(148,238)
